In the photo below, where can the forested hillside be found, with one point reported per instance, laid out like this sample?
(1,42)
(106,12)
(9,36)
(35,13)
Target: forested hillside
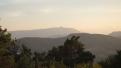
(100,45)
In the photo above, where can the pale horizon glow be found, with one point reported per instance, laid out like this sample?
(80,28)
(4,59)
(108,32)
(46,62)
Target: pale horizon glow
(90,16)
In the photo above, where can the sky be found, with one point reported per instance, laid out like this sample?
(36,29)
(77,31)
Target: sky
(91,16)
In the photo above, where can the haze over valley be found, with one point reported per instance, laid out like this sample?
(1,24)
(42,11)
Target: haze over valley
(39,40)
(60,33)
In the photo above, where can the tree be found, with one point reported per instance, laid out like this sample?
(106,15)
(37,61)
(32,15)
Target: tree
(71,53)
(6,59)
(113,61)
(25,60)
(75,54)
(37,58)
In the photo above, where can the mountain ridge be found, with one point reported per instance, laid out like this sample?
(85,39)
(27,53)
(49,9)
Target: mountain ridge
(116,34)
(45,33)
(100,45)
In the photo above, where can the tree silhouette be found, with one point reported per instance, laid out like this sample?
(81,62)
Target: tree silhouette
(6,59)
(71,53)
(25,60)
(113,61)
(38,57)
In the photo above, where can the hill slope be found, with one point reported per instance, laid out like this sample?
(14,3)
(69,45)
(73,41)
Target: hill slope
(100,45)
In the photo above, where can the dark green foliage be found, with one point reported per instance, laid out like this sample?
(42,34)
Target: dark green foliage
(113,61)
(6,59)
(25,59)
(71,53)
(38,58)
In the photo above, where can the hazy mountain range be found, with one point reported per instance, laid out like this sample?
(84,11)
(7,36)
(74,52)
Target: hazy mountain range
(44,33)
(100,45)
(44,39)
(116,34)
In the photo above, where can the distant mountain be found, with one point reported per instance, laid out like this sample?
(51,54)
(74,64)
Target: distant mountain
(116,34)
(100,45)
(44,33)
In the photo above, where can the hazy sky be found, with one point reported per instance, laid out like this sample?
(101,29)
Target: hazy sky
(93,16)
